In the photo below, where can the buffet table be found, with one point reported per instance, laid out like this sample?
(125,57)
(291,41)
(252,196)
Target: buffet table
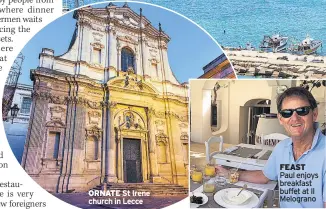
(248,157)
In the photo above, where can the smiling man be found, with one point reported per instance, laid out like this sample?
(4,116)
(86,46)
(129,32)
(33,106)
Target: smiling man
(298,163)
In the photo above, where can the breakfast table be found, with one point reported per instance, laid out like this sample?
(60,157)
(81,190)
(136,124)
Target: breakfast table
(246,157)
(260,190)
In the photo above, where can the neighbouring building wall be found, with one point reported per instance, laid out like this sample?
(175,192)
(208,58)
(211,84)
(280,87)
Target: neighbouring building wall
(16,129)
(234,96)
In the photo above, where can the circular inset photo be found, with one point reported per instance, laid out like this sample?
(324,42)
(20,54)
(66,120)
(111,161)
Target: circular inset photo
(97,108)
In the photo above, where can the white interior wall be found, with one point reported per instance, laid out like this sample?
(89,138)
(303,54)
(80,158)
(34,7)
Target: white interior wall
(233,95)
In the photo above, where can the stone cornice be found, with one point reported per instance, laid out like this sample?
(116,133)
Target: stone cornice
(64,100)
(61,76)
(88,14)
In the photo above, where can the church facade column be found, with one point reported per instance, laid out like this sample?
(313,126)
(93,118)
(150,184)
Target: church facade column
(112,145)
(152,145)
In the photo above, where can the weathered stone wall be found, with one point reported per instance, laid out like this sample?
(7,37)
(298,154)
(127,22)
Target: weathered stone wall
(277,65)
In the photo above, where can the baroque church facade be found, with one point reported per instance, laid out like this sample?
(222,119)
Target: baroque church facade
(109,109)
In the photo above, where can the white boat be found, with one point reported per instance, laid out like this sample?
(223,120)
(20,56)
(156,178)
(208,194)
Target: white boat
(250,47)
(276,43)
(309,45)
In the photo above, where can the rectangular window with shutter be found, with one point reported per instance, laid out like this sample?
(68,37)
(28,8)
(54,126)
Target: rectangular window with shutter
(26,105)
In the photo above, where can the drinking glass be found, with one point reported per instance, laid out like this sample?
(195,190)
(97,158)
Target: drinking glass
(209,187)
(234,176)
(209,170)
(197,176)
(220,179)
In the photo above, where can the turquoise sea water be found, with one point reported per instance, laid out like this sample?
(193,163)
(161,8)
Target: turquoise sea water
(249,21)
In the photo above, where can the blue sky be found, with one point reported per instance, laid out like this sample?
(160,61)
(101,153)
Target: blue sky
(189,50)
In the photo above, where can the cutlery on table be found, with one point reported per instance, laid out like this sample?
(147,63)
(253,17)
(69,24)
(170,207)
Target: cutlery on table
(243,188)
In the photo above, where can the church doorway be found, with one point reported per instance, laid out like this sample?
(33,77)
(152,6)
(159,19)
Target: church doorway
(132,163)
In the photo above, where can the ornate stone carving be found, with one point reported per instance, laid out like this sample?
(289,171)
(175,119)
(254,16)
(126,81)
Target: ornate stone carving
(94,117)
(113,105)
(56,113)
(156,113)
(163,45)
(98,28)
(153,61)
(184,137)
(97,45)
(161,137)
(127,39)
(129,120)
(49,97)
(130,80)
(97,37)
(93,131)
(182,118)
(160,126)
(151,45)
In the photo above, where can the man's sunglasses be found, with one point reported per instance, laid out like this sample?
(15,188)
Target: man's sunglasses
(302,111)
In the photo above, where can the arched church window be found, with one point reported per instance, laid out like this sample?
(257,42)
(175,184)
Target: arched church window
(127,59)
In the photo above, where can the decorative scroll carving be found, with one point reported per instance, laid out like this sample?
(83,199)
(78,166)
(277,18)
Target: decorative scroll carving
(97,45)
(151,45)
(97,37)
(158,114)
(161,137)
(97,28)
(182,118)
(130,80)
(94,117)
(49,97)
(153,61)
(127,39)
(163,45)
(63,100)
(56,113)
(93,131)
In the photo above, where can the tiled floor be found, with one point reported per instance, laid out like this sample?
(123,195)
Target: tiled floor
(198,158)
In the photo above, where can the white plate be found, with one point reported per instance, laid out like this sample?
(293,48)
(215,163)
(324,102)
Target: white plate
(198,194)
(221,199)
(233,197)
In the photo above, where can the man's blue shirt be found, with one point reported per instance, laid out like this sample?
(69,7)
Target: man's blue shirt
(299,188)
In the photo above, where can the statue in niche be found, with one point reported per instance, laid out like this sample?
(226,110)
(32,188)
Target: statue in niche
(128,122)
(126,81)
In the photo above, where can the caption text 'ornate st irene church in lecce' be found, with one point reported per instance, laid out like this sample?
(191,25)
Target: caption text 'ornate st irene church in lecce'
(109,109)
